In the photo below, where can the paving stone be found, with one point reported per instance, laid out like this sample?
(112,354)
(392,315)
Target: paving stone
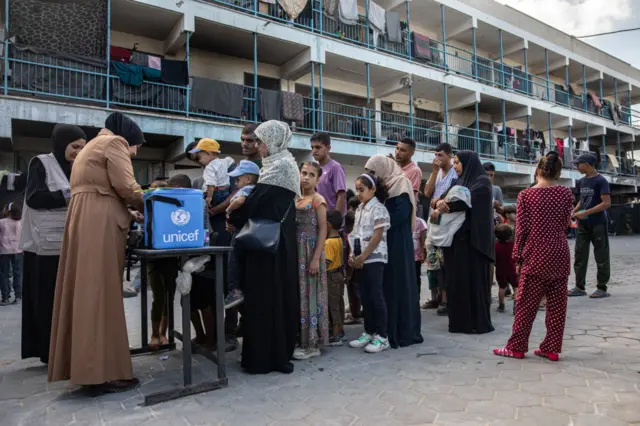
(543,388)
(444,403)
(591,394)
(544,416)
(595,420)
(396,398)
(497,384)
(518,398)
(569,405)
(491,409)
(473,393)
(413,415)
(330,417)
(626,411)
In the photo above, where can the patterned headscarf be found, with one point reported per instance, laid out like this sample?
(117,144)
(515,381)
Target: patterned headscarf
(391,174)
(279,168)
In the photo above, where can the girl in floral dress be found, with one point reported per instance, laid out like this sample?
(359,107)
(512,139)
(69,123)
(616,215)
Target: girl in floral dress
(311,219)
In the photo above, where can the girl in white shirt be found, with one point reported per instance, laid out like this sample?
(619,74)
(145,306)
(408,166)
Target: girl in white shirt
(368,242)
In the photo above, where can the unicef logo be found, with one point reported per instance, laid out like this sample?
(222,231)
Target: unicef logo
(180,217)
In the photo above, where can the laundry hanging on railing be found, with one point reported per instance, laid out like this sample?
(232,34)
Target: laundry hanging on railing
(394,28)
(218,97)
(329,6)
(120,54)
(377,20)
(420,46)
(348,12)
(134,75)
(594,98)
(269,104)
(293,8)
(175,72)
(41,74)
(292,107)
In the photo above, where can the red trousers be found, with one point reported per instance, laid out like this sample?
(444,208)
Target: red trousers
(531,289)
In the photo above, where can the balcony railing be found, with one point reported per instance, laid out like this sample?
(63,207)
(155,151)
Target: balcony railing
(82,82)
(443,56)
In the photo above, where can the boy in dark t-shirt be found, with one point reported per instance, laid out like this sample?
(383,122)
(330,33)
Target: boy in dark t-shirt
(590,212)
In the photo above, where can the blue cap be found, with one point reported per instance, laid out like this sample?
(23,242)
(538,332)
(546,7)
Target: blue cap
(245,167)
(588,158)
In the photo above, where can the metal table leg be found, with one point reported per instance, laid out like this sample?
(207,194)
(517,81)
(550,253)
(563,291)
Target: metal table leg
(221,353)
(188,347)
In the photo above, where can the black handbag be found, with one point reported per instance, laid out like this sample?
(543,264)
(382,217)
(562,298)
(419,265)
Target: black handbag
(261,234)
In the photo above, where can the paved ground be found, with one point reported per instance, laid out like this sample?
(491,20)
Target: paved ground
(448,380)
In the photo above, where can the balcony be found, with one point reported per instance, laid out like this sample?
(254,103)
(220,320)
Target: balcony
(441,55)
(37,74)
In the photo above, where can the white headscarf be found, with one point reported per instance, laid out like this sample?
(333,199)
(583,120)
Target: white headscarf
(279,168)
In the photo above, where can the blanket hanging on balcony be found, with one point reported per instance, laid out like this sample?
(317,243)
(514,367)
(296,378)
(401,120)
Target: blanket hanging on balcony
(175,72)
(216,96)
(292,107)
(394,30)
(269,104)
(330,7)
(293,7)
(420,46)
(348,12)
(77,27)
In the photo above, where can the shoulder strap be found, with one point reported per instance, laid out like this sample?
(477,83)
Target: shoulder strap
(287,212)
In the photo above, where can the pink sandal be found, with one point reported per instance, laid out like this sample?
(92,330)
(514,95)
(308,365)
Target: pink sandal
(548,355)
(508,353)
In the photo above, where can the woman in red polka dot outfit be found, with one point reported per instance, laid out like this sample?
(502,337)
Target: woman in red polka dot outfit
(541,253)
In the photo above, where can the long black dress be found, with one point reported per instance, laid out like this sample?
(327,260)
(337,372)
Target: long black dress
(400,291)
(466,262)
(270,285)
(466,273)
(39,279)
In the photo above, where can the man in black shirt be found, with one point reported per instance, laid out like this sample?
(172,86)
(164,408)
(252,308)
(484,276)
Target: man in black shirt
(595,199)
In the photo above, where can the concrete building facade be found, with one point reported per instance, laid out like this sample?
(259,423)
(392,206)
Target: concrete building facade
(473,73)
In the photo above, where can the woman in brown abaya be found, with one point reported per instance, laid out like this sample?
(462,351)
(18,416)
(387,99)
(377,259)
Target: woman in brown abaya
(89,343)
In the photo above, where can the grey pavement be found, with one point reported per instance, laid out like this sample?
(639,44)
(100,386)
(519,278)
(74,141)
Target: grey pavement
(448,380)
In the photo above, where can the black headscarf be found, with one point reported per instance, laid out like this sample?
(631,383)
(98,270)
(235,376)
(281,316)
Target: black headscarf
(62,136)
(121,125)
(475,178)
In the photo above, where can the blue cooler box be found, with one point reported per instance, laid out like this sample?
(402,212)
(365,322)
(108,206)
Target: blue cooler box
(174,218)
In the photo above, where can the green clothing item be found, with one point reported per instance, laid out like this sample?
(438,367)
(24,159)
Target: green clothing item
(597,235)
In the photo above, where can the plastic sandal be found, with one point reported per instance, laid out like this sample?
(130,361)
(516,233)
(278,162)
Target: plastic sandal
(599,294)
(548,355)
(576,292)
(508,353)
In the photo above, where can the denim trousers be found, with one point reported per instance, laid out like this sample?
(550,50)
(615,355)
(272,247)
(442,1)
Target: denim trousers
(11,265)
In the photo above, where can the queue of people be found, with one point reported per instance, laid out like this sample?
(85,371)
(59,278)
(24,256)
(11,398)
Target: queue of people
(285,291)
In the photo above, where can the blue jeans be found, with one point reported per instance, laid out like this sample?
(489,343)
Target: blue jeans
(13,263)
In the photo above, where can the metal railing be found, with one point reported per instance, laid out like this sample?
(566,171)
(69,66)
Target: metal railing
(35,74)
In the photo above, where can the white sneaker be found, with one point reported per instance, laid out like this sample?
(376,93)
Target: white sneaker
(299,354)
(303,354)
(361,341)
(378,344)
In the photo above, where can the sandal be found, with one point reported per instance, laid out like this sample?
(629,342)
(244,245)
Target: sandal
(508,353)
(576,292)
(431,304)
(599,294)
(548,355)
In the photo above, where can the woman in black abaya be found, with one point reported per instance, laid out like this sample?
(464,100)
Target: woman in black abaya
(400,291)
(270,281)
(466,262)
(43,219)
